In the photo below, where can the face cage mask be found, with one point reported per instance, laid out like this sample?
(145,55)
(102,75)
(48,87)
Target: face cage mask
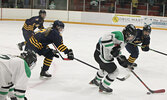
(145,36)
(129,41)
(62,29)
(32,65)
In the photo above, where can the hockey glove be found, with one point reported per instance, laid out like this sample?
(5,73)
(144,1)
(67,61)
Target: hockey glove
(70,54)
(55,53)
(145,48)
(123,61)
(115,51)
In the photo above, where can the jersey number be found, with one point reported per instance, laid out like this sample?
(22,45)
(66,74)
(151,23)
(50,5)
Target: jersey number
(4,57)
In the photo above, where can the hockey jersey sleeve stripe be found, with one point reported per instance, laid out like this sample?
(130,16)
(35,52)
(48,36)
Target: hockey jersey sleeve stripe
(109,45)
(38,43)
(12,89)
(33,43)
(27,69)
(106,41)
(64,49)
(29,27)
(60,46)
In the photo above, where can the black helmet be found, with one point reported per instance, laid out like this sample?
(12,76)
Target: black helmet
(147,28)
(59,24)
(30,57)
(42,12)
(128,31)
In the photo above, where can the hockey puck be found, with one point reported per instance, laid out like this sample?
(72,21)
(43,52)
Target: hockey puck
(148,93)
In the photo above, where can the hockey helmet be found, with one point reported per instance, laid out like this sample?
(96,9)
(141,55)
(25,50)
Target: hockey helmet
(42,11)
(58,24)
(30,57)
(129,31)
(146,28)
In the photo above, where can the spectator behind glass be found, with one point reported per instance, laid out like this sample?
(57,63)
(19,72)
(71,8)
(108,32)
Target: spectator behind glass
(52,5)
(134,5)
(26,3)
(111,9)
(93,3)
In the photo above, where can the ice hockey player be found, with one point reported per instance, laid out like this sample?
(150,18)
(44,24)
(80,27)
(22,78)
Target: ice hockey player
(108,48)
(40,41)
(14,75)
(30,25)
(143,37)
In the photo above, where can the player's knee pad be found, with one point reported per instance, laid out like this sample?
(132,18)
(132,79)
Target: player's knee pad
(109,67)
(114,74)
(101,73)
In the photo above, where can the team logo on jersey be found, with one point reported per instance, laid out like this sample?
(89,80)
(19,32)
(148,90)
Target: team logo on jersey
(37,19)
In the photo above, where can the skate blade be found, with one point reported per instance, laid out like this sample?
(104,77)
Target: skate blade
(104,92)
(44,78)
(92,84)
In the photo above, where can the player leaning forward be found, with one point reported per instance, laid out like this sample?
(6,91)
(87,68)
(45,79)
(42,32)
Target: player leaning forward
(14,75)
(107,49)
(40,41)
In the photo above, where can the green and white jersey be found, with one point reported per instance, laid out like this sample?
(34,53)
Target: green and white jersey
(107,42)
(13,70)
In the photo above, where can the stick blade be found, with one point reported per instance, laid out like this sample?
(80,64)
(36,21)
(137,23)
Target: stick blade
(123,78)
(66,59)
(159,91)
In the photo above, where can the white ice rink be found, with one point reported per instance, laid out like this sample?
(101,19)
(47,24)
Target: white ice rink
(70,78)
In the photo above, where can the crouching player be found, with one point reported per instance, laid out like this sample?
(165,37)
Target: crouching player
(14,75)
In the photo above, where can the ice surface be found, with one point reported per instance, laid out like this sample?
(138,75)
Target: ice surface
(70,78)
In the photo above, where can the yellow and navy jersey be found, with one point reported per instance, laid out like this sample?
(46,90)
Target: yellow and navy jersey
(34,22)
(141,39)
(48,36)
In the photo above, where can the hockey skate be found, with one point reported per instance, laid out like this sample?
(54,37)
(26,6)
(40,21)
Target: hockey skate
(20,46)
(102,89)
(45,75)
(94,82)
(134,65)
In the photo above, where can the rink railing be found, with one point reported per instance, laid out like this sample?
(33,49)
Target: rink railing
(89,18)
(153,7)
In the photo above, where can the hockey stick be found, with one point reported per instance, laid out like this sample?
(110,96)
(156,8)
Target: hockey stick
(59,53)
(150,91)
(121,79)
(150,49)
